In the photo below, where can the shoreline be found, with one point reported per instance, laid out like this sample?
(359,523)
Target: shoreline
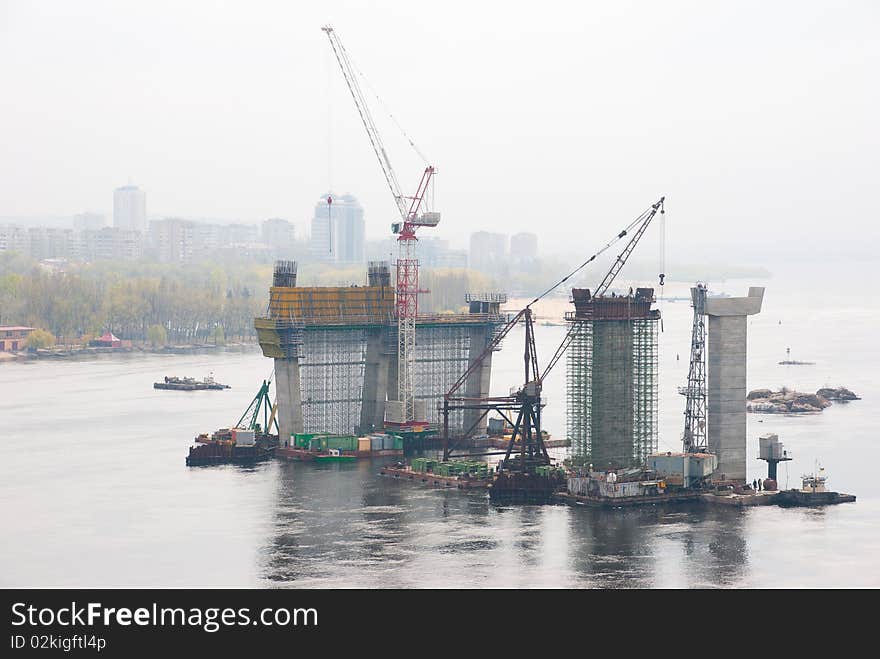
(86,353)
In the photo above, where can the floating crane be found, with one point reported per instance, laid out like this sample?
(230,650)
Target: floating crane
(401,412)
(517,468)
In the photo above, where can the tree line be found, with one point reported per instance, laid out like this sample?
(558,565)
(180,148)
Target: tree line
(189,305)
(174,304)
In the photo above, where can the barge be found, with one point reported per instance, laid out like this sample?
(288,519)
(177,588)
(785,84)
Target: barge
(232,446)
(462,481)
(189,384)
(330,455)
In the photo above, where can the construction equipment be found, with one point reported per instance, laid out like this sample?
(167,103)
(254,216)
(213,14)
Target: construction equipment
(401,413)
(261,402)
(525,451)
(694,436)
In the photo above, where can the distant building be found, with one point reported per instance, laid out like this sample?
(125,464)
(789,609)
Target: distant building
(488,251)
(435,253)
(523,248)
(53,243)
(173,240)
(14,238)
(89,222)
(130,208)
(232,234)
(279,235)
(110,244)
(13,337)
(338,230)
(109,340)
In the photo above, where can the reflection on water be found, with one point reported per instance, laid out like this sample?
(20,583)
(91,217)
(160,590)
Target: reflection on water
(342,525)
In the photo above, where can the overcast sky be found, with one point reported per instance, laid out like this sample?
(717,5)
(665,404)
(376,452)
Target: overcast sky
(757,120)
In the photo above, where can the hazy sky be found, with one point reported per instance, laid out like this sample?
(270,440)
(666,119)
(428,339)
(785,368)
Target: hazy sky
(757,120)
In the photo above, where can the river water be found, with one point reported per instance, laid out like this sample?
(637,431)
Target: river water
(94,491)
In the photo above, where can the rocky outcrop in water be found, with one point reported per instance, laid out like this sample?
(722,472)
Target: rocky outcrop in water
(787,401)
(841,394)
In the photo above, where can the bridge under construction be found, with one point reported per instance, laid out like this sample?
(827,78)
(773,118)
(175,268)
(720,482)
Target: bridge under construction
(335,352)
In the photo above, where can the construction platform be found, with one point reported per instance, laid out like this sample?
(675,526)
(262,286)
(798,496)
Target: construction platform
(624,502)
(784,498)
(461,482)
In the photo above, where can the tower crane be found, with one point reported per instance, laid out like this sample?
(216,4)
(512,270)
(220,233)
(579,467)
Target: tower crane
(525,401)
(694,437)
(401,412)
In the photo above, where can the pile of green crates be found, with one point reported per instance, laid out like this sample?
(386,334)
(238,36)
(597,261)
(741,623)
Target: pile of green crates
(423,465)
(322,441)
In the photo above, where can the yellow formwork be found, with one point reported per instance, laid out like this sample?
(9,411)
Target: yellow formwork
(332,305)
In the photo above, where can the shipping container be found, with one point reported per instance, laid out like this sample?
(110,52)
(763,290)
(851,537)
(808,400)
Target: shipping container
(363,444)
(376,442)
(243,436)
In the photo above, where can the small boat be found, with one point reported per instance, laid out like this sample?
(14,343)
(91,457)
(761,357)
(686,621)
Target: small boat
(189,384)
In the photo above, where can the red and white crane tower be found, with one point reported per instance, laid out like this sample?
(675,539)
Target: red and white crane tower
(401,412)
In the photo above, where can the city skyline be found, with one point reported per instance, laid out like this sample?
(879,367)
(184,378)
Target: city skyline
(617,140)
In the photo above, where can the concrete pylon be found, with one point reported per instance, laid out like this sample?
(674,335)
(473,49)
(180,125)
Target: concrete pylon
(375,389)
(477,384)
(287,387)
(726,381)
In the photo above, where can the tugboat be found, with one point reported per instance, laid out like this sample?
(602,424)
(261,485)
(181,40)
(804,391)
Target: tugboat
(189,384)
(812,492)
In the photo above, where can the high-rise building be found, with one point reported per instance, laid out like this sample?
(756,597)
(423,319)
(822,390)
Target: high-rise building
(130,208)
(338,230)
(488,251)
(89,222)
(523,248)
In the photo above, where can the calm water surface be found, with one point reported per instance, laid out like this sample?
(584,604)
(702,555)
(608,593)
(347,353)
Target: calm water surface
(94,491)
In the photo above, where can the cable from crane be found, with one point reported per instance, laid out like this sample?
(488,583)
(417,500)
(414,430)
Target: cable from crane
(329,224)
(662,260)
(385,108)
(607,246)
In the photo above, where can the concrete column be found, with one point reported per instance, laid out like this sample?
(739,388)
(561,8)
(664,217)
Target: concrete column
(375,382)
(612,394)
(726,380)
(477,384)
(287,387)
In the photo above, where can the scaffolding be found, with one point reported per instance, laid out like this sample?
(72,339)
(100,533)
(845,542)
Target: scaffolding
(332,379)
(442,355)
(612,381)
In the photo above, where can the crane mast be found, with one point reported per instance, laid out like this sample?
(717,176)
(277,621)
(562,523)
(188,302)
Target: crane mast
(401,412)
(694,437)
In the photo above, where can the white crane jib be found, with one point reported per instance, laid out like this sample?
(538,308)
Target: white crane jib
(402,411)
